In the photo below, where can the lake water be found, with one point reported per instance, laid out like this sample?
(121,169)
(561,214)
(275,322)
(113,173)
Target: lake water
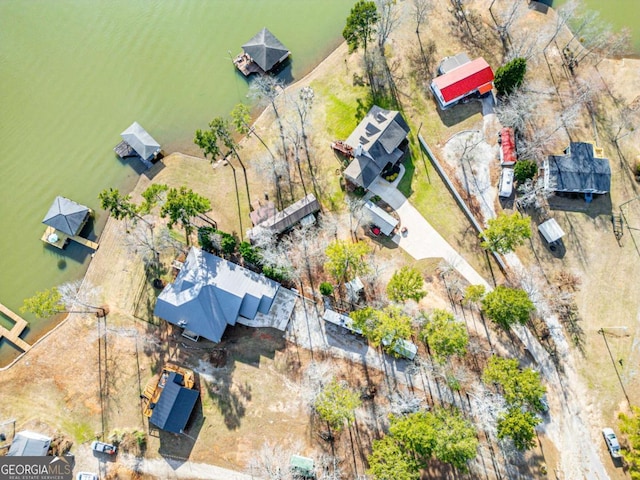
(617,13)
(76,73)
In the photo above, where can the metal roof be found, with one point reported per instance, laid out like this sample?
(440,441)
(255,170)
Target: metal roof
(140,141)
(29,444)
(66,216)
(380,218)
(174,407)
(463,80)
(579,170)
(210,293)
(266,50)
(550,230)
(449,63)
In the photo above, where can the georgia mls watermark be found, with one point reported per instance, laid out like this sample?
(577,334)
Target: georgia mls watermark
(37,468)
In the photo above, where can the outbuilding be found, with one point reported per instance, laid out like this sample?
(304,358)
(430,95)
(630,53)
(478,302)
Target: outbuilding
(474,77)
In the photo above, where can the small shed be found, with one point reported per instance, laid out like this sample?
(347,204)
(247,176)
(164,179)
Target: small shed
(29,444)
(380,218)
(67,216)
(551,231)
(302,466)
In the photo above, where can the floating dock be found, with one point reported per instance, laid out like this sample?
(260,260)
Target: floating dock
(13,335)
(59,240)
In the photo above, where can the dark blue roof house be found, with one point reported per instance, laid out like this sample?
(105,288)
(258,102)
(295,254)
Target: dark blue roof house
(578,171)
(210,293)
(174,407)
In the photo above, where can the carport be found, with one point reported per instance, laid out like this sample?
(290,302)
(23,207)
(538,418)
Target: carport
(551,231)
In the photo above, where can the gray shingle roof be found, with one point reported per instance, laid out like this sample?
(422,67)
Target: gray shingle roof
(579,170)
(265,49)
(210,293)
(140,141)
(379,134)
(291,215)
(175,405)
(66,216)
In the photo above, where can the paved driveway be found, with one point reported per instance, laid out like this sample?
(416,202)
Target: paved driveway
(422,240)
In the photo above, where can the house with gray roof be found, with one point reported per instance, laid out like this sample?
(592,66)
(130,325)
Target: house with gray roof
(578,171)
(67,216)
(379,142)
(29,444)
(210,293)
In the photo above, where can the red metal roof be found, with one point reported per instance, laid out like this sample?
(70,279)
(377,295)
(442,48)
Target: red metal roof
(508,146)
(464,79)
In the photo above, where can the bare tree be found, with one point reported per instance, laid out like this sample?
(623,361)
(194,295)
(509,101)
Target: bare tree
(268,88)
(508,13)
(355,208)
(421,11)
(303,108)
(387,20)
(272,461)
(273,168)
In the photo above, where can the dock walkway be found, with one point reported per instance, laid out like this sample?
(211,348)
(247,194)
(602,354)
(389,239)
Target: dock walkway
(13,335)
(61,239)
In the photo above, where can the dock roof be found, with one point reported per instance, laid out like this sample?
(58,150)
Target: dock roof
(66,216)
(140,141)
(266,50)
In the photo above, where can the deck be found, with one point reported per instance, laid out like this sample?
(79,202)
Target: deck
(124,150)
(343,148)
(153,390)
(246,65)
(63,239)
(13,335)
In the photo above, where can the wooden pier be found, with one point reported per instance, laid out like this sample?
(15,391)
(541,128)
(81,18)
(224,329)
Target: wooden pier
(13,335)
(246,65)
(63,239)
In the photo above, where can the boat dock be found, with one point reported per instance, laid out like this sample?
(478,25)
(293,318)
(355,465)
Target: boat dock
(246,65)
(58,239)
(13,335)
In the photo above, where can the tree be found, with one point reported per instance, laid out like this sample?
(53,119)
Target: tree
(389,460)
(520,426)
(521,387)
(523,170)
(387,20)
(386,327)
(345,260)
(119,206)
(44,304)
(55,300)
(444,335)
(474,293)
(507,306)
(152,195)
(221,133)
(360,26)
(443,434)
(249,253)
(505,233)
(326,288)
(181,206)
(336,404)
(630,427)
(240,116)
(510,76)
(405,284)
(421,10)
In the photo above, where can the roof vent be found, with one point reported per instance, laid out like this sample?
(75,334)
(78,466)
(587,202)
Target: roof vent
(380,117)
(363,140)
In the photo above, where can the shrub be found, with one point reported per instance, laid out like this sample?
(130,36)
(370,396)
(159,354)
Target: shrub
(510,76)
(326,288)
(249,253)
(524,170)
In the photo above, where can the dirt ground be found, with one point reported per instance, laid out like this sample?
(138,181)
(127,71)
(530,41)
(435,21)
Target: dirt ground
(85,378)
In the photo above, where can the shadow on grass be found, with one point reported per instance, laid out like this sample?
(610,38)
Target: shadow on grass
(176,449)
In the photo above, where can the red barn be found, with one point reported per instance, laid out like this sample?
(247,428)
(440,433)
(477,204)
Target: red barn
(462,81)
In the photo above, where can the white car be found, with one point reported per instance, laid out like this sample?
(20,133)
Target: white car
(612,442)
(86,476)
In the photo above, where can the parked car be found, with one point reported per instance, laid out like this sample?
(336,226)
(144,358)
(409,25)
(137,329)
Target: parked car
(103,447)
(612,442)
(87,476)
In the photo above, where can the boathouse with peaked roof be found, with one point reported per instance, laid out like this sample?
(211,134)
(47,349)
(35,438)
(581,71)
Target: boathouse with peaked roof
(136,142)
(261,54)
